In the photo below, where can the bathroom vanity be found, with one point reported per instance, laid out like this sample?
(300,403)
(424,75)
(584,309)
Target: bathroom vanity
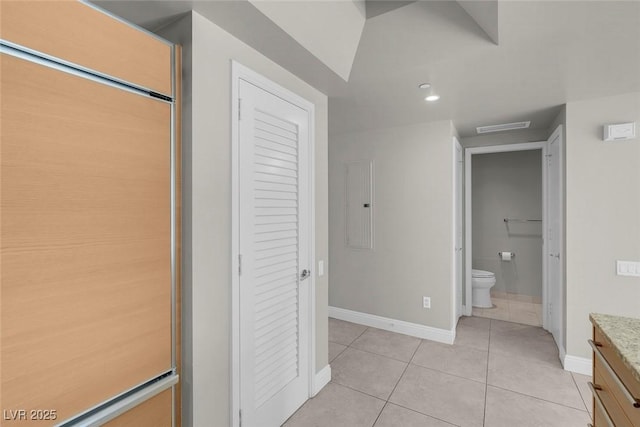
(616,371)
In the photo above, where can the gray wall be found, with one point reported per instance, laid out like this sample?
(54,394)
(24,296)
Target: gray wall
(508,185)
(603,215)
(207,211)
(413,214)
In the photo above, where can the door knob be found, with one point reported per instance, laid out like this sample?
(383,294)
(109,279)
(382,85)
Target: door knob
(305,273)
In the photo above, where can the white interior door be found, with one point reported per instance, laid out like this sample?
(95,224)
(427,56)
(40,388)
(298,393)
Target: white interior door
(554,298)
(274,236)
(458,262)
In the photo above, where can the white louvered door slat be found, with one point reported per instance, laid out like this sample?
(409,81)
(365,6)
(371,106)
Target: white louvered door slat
(274,243)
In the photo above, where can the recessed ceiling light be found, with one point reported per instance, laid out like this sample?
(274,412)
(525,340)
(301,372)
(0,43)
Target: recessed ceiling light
(424,85)
(432,98)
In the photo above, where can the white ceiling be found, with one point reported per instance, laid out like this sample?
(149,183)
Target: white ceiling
(549,53)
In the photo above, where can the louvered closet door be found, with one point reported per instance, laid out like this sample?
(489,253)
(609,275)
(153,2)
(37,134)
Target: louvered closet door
(274,243)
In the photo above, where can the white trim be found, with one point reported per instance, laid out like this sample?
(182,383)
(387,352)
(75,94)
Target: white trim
(579,365)
(321,379)
(557,133)
(457,310)
(393,325)
(240,72)
(468,244)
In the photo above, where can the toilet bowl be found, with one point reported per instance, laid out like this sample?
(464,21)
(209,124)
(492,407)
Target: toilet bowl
(481,283)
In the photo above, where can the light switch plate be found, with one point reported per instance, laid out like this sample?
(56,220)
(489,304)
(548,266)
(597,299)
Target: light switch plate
(628,268)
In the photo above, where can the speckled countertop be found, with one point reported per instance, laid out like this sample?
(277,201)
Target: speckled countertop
(624,335)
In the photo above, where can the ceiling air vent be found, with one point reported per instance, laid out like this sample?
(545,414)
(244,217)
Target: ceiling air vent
(500,128)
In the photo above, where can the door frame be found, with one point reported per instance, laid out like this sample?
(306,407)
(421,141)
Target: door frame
(241,72)
(458,304)
(557,133)
(468,189)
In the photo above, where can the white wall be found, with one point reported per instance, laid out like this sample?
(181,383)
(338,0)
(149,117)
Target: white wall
(207,211)
(603,215)
(508,185)
(413,214)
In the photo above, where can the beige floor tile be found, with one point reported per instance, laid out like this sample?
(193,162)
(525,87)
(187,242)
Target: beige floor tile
(337,406)
(585,391)
(478,312)
(335,349)
(518,297)
(525,307)
(397,416)
(466,362)
(509,409)
(474,322)
(498,313)
(500,303)
(389,344)
(498,294)
(533,379)
(526,318)
(455,400)
(367,372)
(477,338)
(526,342)
(344,333)
(537,300)
(511,328)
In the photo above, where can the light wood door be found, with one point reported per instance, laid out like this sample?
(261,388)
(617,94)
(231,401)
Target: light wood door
(274,243)
(82,35)
(155,412)
(85,250)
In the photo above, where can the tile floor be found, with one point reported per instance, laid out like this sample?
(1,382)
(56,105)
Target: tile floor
(513,308)
(497,374)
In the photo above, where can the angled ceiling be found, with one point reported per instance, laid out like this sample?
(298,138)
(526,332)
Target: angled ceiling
(524,66)
(485,13)
(307,22)
(378,7)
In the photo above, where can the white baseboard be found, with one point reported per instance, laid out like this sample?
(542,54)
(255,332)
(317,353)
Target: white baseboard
(393,325)
(321,379)
(579,365)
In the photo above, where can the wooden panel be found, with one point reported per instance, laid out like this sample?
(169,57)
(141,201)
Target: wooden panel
(95,40)
(599,419)
(623,371)
(155,412)
(85,280)
(608,399)
(633,414)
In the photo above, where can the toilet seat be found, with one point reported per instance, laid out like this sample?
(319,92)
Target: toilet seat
(482,274)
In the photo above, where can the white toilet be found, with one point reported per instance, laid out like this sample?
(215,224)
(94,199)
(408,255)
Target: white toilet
(481,283)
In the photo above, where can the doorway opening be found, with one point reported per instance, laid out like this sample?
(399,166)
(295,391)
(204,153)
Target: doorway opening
(513,262)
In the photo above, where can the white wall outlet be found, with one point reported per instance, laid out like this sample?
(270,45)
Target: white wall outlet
(426,302)
(320,268)
(628,268)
